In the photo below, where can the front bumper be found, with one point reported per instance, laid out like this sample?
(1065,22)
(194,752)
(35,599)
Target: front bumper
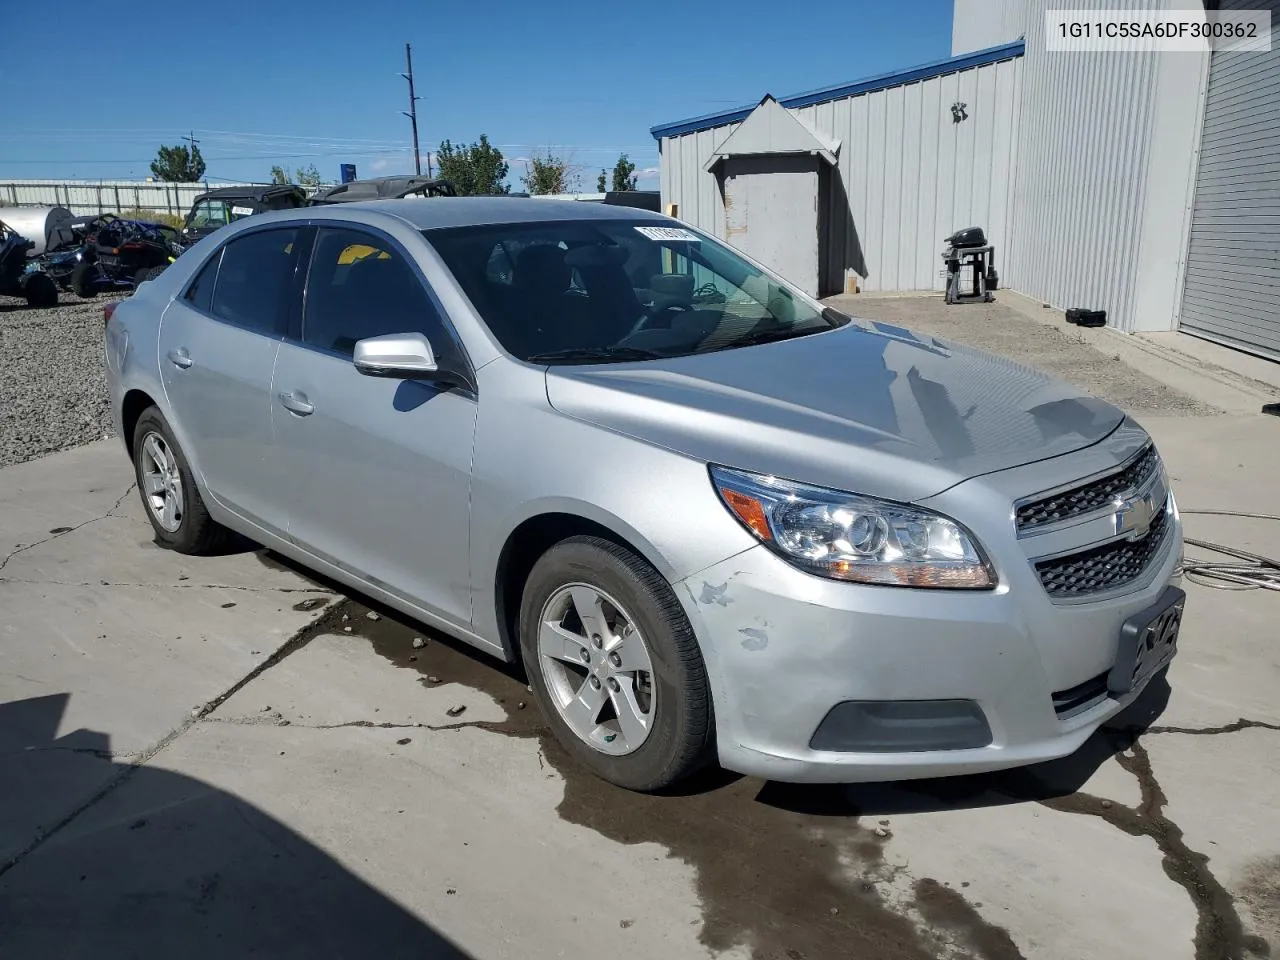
(783,648)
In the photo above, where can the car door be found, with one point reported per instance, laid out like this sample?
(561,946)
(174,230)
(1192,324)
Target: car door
(218,344)
(378,469)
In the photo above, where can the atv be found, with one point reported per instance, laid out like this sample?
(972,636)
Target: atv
(20,277)
(123,253)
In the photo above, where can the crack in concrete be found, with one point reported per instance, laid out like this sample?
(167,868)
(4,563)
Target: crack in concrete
(327,622)
(91,751)
(62,532)
(116,506)
(324,623)
(167,586)
(1234,726)
(1220,933)
(267,720)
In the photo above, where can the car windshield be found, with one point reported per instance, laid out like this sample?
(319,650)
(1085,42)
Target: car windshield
(596,291)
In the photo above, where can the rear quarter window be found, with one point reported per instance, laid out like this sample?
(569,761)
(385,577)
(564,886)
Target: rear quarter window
(200,293)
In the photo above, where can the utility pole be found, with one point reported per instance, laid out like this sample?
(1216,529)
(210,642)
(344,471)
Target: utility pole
(412,112)
(191,139)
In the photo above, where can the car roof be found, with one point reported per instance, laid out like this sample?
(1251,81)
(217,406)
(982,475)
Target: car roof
(439,212)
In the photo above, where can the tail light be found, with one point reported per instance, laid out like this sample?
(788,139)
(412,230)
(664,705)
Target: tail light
(107,310)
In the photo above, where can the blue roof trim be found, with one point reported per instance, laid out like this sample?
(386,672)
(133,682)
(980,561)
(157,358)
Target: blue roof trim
(924,71)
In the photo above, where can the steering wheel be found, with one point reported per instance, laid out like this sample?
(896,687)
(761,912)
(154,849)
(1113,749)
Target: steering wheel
(654,312)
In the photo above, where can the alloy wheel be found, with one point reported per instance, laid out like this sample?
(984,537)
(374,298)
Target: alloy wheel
(161,483)
(597,669)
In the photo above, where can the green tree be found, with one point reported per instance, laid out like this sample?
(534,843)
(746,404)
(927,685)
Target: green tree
(178,164)
(624,174)
(307,176)
(547,174)
(600,182)
(477,170)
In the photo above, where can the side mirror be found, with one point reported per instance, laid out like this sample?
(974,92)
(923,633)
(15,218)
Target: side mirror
(404,355)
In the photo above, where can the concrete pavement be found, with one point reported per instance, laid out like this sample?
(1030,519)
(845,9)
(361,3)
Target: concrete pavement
(208,756)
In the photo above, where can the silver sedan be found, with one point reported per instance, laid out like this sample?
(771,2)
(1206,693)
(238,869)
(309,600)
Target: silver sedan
(713,519)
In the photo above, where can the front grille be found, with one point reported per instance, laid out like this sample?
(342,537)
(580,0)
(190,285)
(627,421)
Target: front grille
(1067,703)
(1088,496)
(1107,567)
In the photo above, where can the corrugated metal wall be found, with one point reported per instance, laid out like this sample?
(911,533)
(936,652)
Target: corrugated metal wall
(978,24)
(1232,289)
(1081,187)
(105,196)
(908,177)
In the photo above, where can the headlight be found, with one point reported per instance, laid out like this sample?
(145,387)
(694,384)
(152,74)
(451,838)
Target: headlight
(846,536)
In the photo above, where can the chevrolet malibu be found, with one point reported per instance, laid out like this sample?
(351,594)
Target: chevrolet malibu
(713,519)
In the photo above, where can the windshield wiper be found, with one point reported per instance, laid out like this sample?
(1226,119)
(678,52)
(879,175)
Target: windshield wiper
(768,336)
(594,355)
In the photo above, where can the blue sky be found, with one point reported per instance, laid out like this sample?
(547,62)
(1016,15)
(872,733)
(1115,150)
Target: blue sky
(298,83)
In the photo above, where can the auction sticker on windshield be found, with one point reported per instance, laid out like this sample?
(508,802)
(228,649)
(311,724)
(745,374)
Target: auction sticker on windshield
(666,233)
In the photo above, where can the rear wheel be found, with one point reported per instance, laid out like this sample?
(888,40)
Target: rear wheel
(41,291)
(143,274)
(614,665)
(82,279)
(169,493)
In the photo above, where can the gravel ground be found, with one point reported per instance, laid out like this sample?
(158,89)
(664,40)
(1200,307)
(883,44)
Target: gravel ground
(1001,330)
(53,394)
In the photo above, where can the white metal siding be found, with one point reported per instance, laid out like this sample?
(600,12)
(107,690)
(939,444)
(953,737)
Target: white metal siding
(1082,171)
(908,175)
(1232,286)
(978,24)
(105,196)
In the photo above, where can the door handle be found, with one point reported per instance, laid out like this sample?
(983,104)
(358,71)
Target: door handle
(297,403)
(180,358)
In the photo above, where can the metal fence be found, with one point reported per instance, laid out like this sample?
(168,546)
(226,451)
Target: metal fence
(105,196)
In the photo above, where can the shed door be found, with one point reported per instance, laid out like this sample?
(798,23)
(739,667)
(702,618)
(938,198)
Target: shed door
(1232,291)
(771,213)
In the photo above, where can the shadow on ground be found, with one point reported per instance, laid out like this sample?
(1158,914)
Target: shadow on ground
(164,865)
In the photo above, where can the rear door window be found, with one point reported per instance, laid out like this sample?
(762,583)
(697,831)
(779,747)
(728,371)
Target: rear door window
(255,281)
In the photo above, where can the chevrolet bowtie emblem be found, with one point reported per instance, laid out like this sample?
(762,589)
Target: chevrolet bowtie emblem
(1133,515)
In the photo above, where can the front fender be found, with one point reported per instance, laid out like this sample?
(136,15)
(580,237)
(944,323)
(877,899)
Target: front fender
(531,460)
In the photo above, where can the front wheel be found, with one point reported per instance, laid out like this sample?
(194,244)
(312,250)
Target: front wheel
(84,279)
(169,493)
(614,665)
(40,290)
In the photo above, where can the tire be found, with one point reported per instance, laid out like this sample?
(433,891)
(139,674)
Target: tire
(144,274)
(155,271)
(680,736)
(41,291)
(189,529)
(82,280)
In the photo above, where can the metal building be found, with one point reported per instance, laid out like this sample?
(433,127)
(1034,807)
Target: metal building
(894,164)
(1143,184)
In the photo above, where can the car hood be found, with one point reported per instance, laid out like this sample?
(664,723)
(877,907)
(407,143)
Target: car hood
(868,407)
